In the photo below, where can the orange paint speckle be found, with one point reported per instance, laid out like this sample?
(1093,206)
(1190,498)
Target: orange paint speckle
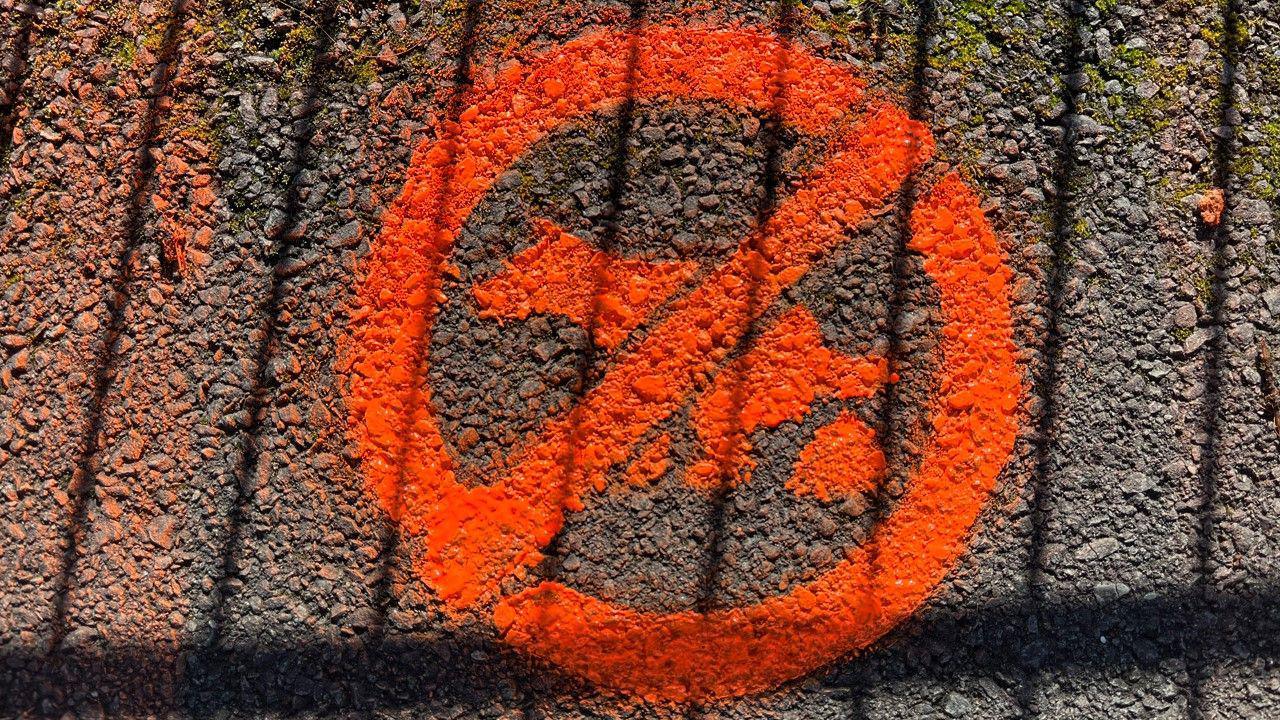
(652,463)
(777,380)
(842,460)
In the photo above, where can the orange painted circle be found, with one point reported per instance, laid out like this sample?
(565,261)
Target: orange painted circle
(476,537)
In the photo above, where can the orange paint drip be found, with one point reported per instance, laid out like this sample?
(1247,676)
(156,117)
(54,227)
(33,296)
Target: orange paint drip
(692,656)
(776,380)
(841,461)
(563,275)
(185,200)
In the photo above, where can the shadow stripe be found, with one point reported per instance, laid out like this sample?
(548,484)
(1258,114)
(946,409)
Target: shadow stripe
(81,484)
(17,66)
(281,243)
(1217,239)
(1046,381)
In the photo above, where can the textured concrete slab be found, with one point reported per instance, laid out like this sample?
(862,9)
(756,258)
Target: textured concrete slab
(194,196)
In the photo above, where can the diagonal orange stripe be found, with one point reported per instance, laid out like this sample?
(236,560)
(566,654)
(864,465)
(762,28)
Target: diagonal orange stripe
(478,536)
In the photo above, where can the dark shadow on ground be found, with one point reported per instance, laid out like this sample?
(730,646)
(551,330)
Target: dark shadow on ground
(442,670)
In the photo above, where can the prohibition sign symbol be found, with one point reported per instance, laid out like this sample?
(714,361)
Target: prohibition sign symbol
(479,535)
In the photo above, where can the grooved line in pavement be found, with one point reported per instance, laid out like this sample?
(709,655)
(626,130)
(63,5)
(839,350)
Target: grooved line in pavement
(280,245)
(19,67)
(1216,237)
(81,483)
(1047,379)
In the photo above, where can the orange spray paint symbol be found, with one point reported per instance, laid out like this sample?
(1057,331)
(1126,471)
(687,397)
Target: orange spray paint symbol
(476,537)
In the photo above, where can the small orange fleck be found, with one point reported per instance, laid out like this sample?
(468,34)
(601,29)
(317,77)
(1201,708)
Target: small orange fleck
(649,387)
(1211,206)
(841,460)
(652,463)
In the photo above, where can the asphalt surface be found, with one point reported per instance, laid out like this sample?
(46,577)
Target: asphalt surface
(186,197)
